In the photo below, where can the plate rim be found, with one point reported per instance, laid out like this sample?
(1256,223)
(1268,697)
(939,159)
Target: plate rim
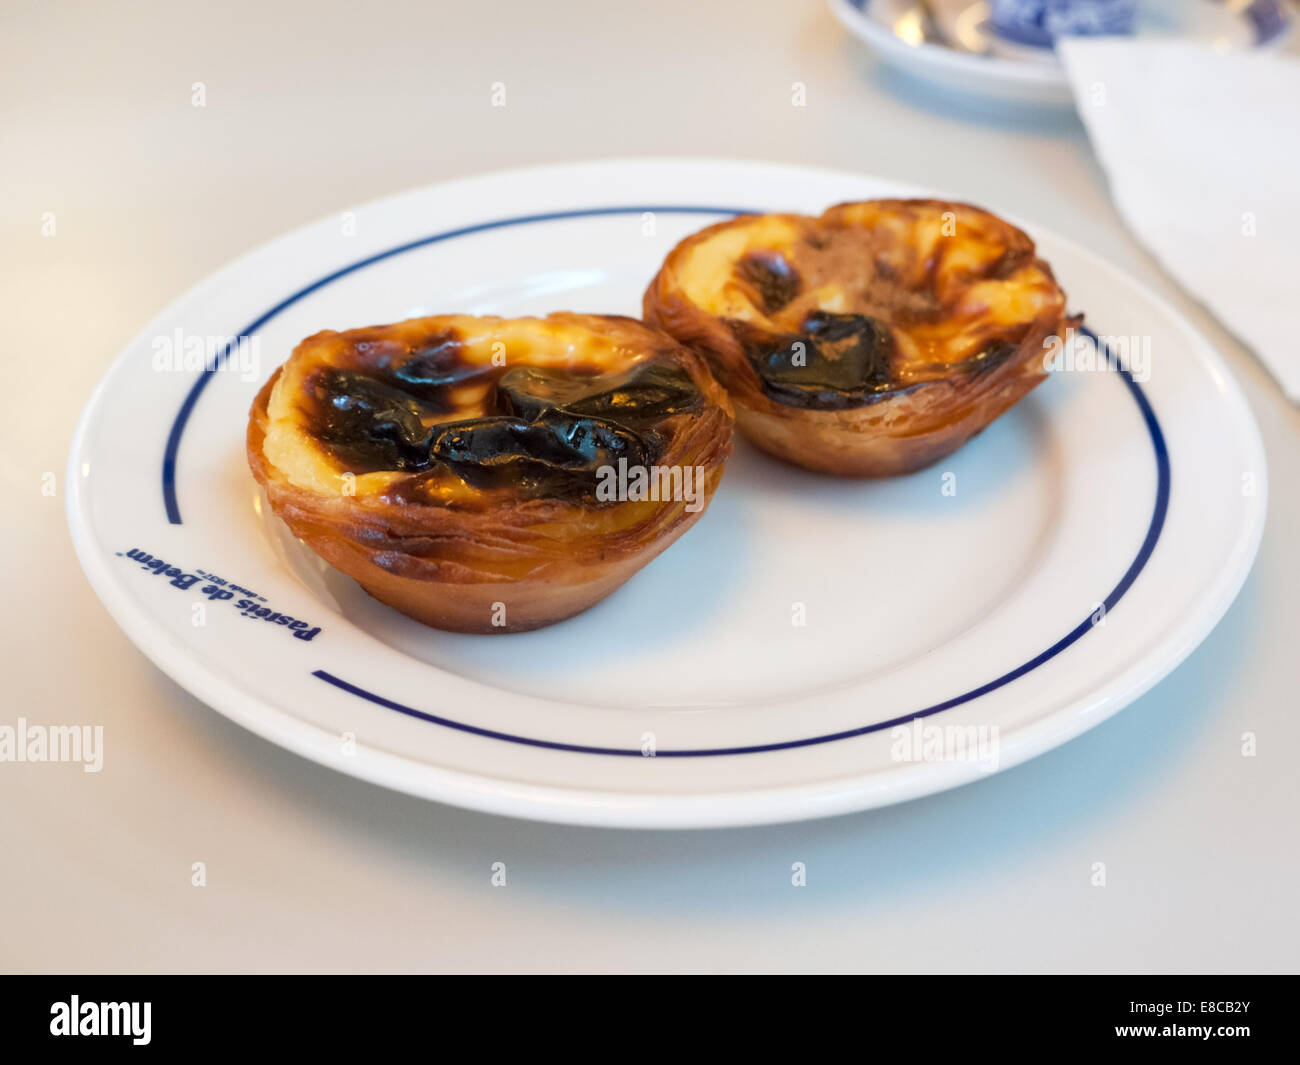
(650,809)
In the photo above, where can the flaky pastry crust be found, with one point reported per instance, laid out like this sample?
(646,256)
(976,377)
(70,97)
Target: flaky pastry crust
(446,463)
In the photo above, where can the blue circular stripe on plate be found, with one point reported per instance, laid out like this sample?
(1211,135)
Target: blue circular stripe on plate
(1117,593)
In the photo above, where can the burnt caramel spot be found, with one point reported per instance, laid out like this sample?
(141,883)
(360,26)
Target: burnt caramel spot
(841,361)
(774,278)
(557,454)
(434,367)
(372,425)
(544,433)
(636,398)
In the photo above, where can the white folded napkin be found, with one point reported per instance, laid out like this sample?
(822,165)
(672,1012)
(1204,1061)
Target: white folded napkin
(1202,149)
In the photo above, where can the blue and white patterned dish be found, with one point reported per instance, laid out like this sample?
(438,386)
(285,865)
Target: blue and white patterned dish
(954,44)
(1040,22)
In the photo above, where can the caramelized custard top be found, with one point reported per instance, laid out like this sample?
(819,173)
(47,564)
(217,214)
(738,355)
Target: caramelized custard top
(533,407)
(870,298)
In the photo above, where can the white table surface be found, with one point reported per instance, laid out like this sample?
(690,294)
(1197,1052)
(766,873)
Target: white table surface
(313,107)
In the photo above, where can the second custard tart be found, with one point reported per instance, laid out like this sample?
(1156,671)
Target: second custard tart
(480,474)
(872,340)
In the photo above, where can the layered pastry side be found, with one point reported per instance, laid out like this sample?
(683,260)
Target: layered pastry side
(872,340)
(490,474)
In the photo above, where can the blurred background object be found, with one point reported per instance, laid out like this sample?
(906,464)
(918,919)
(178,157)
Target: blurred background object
(1041,22)
(1004,49)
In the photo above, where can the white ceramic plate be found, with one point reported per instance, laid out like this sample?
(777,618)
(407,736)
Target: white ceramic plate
(955,47)
(778,660)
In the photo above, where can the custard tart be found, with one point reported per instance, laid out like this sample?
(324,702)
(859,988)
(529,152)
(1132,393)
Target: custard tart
(490,474)
(872,340)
